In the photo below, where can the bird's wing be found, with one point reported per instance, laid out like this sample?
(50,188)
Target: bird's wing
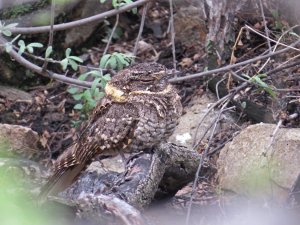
(108,130)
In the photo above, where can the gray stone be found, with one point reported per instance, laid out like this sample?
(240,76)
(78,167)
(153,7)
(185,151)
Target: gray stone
(250,166)
(186,131)
(19,140)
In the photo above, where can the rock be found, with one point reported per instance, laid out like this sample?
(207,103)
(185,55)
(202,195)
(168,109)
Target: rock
(190,25)
(85,9)
(13,94)
(250,166)
(18,140)
(186,130)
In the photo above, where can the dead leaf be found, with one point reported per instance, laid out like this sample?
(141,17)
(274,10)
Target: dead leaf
(144,47)
(233,59)
(44,139)
(240,43)
(186,62)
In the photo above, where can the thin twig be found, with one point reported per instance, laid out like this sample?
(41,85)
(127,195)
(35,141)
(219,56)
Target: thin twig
(202,158)
(232,57)
(265,24)
(220,101)
(204,116)
(275,47)
(217,87)
(272,40)
(65,26)
(172,34)
(273,135)
(281,67)
(287,89)
(239,77)
(50,60)
(112,34)
(229,67)
(144,13)
(50,42)
(39,70)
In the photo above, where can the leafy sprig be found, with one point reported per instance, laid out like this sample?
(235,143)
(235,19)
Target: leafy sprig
(70,60)
(116,61)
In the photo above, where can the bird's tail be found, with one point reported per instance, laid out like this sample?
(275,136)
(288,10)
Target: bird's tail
(59,181)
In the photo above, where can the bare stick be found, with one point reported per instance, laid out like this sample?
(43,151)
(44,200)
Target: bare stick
(172,34)
(65,26)
(273,135)
(277,43)
(272,40)
(50,42)
(217,87)
(203,157)
(204,116)
(145,9)
(220,101)
(46,73)
(265,24)
(229,67)
(111,35)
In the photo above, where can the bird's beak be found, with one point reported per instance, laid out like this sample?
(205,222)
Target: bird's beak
(165,75)
(158,75)
(171,73)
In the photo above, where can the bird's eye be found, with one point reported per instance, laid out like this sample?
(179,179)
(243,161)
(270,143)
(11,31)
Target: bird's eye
(147,80)
(142,79)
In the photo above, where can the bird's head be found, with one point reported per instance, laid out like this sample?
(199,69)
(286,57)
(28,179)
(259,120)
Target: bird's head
(143,78)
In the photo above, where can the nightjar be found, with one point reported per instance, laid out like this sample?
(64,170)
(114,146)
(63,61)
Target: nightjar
(140,110)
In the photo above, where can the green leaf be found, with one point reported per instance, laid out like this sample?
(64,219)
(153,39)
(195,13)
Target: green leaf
(106,77)
(11,25)
(96,73)
(134,10)
(92,103)
(98,94)
(7,33)
(64,63)
(75,58)
(30,49)
(49,50)
(120,61)
(77,96)
(120,57)
(112,62)
(8,47)
(257,80)
(78,106)
(102,1)
(68,51)
(83,76)
(87,95)
(35,45)
(115,3)
(104,60)
(73,90)
(94,84)
(103,83)
(73,64)
(22,45)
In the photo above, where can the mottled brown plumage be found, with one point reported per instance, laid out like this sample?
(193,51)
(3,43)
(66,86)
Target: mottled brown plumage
(140,110)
